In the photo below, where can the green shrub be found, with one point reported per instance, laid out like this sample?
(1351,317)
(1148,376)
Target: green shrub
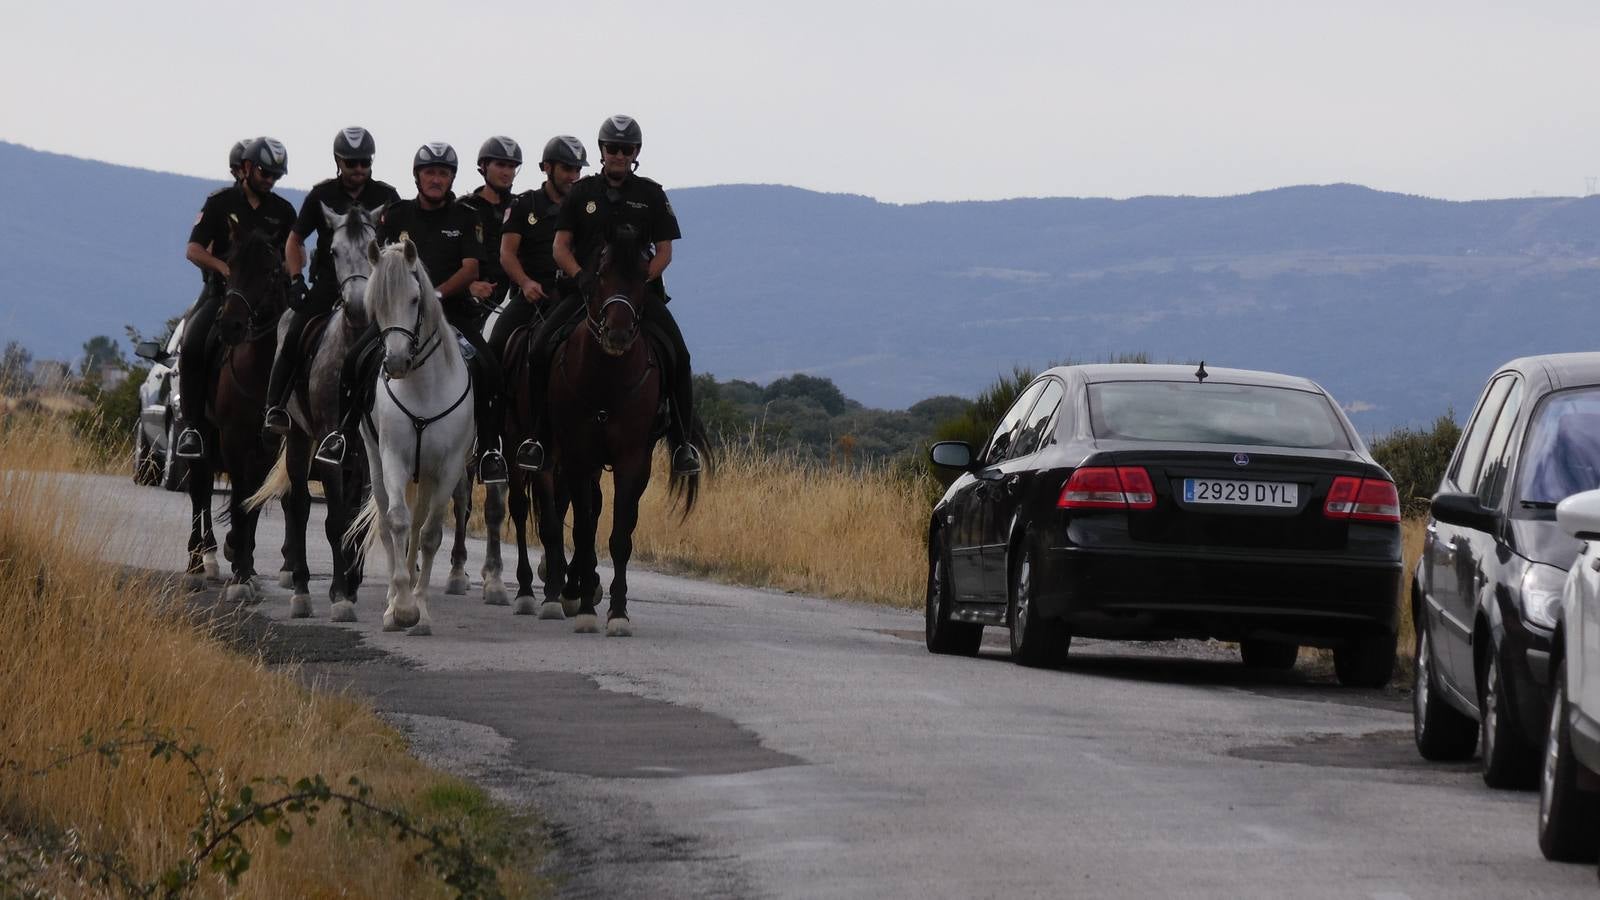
(1417,459)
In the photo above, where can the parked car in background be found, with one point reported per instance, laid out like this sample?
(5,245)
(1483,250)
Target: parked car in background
(1155,502)
(1488,585)
(158,404)
(1569,783)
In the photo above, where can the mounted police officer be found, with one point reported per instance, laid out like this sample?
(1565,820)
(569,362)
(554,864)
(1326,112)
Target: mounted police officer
(498,161)
(598,204)
(227,216)
(525,246)
(450,244)
(352,185)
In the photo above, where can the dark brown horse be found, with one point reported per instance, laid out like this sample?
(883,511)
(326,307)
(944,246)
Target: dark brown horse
(606,396)
(247,326)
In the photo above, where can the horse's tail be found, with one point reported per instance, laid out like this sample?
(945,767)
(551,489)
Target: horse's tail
(685,488)
(276,483)
(361,534)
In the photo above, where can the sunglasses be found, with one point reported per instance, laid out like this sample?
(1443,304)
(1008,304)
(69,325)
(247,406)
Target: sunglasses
(358,163)
(619,149)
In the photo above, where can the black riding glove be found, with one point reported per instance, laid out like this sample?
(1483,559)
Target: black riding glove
(588,283)
(297,292)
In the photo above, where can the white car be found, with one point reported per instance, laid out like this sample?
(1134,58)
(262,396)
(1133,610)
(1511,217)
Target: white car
(1569,785)
(158,404)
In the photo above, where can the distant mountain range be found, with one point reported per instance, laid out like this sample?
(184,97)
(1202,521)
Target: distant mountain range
(1399,305)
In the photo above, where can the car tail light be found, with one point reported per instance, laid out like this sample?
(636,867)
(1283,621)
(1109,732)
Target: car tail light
(1108,487)
(1367,499)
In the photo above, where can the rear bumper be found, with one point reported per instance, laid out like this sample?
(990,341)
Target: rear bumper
(1311,600)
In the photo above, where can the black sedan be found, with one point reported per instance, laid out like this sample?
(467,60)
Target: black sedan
(1158,502)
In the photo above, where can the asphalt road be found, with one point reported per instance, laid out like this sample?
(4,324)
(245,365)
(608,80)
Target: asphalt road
(748,743)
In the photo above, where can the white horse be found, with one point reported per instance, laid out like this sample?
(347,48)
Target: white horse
(420,431)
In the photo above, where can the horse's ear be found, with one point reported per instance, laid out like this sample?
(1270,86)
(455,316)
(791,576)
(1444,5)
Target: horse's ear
(331,218)
(372,252)
(411,252)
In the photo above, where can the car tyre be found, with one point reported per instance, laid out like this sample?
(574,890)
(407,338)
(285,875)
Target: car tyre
(174,470)
(1569,818)
(1273,655)
(1036,642)
(1508,761)
(1365,661)
(1443,733)
(943,635)
(145,470)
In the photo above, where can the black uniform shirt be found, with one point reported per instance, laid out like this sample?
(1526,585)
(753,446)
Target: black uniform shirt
(489,215)
(444,237)
(533,218)
(594,207)
(374,195)
(228,216)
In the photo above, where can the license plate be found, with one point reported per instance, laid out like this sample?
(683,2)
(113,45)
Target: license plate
(1224,492)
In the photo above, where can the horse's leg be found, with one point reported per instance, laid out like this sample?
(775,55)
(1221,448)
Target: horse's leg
(461,502)
(297,513)
(432,502)
(341,589)
(585,522)
(244,588)
(199,526)
(631,476)
(520,484)
(394,529)
(494,516)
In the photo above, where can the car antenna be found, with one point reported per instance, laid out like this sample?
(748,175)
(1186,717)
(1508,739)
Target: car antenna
(1201,374)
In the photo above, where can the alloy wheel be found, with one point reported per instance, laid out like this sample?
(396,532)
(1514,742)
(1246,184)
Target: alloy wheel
(1552,751)
(1019,618)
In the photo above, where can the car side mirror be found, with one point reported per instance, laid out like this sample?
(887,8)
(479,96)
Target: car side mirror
(951,455)
(1579,515)
(1463,510)
(150,350)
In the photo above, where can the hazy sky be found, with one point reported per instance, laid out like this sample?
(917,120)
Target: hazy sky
(902,101)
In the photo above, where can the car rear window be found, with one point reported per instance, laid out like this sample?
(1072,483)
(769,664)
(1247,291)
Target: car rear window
(1563,449)
(1190,412)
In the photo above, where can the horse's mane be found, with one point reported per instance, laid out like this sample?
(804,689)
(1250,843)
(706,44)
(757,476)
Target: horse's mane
(253,257)
(357,222)
(623,255)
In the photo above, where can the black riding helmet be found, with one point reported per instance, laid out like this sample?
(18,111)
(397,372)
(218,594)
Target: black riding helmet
(354,142)
(565,149)
(268,155)
(236,155)
(621,130)
(436,153)
(502,148)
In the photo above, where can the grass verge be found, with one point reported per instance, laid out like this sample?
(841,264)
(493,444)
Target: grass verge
(88,650)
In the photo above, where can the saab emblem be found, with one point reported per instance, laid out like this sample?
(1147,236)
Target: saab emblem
(1241,459)
(589,207)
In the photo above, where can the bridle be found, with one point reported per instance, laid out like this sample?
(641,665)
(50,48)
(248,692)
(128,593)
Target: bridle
(597,322)
(258,325)
(419,424)
(413,337)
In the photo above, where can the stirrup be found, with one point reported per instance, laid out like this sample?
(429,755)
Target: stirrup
(276,420)
(189,445)
(686,460)
(331,450)
(492,467)
(530,456)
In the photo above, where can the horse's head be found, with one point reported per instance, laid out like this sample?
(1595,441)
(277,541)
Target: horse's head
(402,302)
(349,234)
(618,304)
(257,290)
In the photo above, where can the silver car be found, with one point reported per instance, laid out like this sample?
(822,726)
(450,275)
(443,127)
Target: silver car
(158,404)
(1569,784)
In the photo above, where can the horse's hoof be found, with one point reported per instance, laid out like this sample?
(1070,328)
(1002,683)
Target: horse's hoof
(569,608)
(457,584)
(619,627)
(344,611)
(407,618)
(495,596)
(300,606)
(586,623)
(241,593)
(285,578)
(213,569)
(195,581)
(419,629)
(553,609)
(525,606)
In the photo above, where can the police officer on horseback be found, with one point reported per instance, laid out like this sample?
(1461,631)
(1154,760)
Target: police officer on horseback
(352,185)
(228,215)
(449,242)
(612,198)
(526,239)
(498,161)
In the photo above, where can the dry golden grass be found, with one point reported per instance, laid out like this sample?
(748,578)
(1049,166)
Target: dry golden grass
(82,650)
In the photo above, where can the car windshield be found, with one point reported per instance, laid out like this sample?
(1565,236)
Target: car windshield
(1191,412)
(1563,455)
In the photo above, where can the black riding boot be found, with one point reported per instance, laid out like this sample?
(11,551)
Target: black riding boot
(680,426)
(530,455)
(284,369)
(192,374)
(351,400)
